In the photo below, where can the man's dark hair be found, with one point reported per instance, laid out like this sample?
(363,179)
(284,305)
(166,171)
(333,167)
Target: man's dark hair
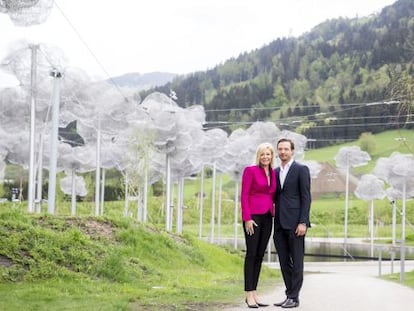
(292,145)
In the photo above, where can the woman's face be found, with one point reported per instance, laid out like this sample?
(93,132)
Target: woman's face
(266,158)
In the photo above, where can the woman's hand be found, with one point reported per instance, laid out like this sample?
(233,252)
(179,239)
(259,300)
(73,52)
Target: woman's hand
(249,226)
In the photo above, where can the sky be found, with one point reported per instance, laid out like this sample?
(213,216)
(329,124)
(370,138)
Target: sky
(110,38)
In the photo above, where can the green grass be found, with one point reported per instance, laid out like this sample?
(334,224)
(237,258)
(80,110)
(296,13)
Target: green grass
(385,144)
(408,278)
(86,263)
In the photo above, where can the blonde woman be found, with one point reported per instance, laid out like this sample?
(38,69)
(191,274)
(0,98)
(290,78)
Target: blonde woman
(258,189)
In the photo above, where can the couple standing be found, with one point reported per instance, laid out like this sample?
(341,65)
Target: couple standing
(284,194)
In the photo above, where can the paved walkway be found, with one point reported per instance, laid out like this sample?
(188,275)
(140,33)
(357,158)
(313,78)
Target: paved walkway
(345,286)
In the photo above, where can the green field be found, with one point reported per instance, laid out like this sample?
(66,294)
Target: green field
(386,143)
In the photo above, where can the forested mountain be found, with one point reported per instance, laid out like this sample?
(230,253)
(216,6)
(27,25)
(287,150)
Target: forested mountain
(329,84)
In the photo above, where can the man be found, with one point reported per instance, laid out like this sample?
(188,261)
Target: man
(292,203)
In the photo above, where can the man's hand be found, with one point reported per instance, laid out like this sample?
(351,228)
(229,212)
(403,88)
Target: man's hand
(300,230)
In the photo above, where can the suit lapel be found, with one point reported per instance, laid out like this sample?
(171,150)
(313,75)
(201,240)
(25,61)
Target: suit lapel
(291,168)
(279,187)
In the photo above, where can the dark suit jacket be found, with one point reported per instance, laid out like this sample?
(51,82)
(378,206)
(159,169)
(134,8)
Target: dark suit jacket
(292,202)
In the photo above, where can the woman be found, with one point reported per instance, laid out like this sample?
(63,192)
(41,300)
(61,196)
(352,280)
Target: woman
(258,188)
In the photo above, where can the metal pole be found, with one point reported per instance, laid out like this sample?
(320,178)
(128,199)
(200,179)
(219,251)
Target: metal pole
(180,205)
(346,208)
(394,225)
(371,224)
(236,212)
(53,143)
(402,256)
(31,183)
(139,205)
(167,193)
(177,225)
(172,199)
(73,199)
(98,169)
(219,206)
(145,202)
(380,262)
(394,221)
(39,177)
(269,249)
(102,192)
(201,201)
(213,203)
(126,196)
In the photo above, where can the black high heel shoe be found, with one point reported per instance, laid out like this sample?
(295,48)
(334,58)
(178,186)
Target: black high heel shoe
(255,306)
(262,304)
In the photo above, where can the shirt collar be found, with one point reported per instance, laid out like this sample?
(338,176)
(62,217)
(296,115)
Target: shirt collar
(287,166)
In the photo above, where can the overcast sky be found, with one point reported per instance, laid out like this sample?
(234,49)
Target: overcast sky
(178,36)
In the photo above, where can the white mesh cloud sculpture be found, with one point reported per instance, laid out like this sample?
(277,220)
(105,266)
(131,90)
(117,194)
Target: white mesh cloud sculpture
(26,12)
(346,158)
(67,182)
(351,156)
(369,188)
(263,132)
(398,171)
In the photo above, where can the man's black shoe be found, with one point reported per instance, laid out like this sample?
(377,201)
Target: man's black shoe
(290,303)
(279,304)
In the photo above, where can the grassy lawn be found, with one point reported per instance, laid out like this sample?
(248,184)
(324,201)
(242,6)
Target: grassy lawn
(111,263)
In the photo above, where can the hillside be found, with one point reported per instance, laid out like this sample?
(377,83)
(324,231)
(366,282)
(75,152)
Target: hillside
(385,144)
(85,263)
(329,84)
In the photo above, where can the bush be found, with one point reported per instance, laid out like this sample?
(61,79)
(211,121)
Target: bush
(367,142)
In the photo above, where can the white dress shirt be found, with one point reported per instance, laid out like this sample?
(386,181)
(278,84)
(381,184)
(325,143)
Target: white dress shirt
(284,171)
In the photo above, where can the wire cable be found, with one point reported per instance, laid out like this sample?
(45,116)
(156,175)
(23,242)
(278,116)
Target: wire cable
(90,50)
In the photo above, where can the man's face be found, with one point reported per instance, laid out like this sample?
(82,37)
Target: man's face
(284,151)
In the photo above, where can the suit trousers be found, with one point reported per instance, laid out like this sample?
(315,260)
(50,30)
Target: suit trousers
(291,251)
(256,245)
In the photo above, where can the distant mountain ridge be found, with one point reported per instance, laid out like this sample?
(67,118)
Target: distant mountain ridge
(143,81)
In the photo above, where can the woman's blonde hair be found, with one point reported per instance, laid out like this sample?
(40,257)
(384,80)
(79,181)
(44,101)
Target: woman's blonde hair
(262,148)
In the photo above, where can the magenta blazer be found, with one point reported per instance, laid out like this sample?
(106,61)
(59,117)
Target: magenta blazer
(256,194)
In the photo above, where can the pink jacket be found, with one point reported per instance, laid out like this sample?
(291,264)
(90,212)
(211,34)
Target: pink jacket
(256,194)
